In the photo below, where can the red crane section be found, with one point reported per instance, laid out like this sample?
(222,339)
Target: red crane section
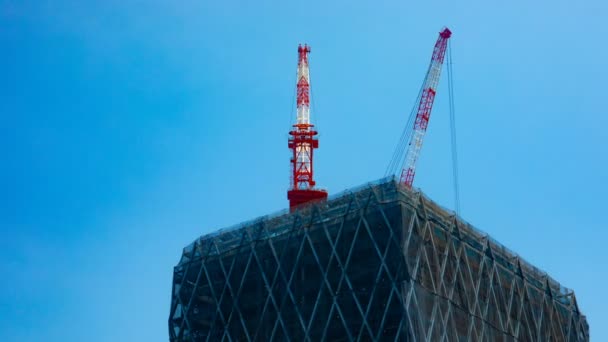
(424,108)
(303,141)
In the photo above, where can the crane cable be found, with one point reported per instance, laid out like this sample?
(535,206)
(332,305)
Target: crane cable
(453,132)
(398,157)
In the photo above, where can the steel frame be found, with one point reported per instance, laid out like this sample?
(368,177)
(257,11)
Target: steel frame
(379,263)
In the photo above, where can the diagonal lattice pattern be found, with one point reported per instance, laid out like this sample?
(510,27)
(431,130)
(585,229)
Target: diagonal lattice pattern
(379,263)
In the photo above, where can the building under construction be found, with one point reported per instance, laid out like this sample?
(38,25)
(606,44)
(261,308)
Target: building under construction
(382,262)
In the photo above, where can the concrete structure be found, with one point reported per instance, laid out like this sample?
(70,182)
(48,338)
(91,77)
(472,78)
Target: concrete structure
(377,263)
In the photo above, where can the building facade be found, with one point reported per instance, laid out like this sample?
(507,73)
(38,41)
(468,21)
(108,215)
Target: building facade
(377,263)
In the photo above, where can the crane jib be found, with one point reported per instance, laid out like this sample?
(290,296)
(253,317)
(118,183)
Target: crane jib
(425,106)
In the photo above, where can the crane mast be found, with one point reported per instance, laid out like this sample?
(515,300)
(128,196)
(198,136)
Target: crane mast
(302,140)
(424,108)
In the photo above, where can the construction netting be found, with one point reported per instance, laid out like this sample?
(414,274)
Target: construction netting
(379,262)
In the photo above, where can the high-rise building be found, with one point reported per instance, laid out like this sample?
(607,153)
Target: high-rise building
(381,262)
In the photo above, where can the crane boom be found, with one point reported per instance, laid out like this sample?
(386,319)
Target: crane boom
(424,108)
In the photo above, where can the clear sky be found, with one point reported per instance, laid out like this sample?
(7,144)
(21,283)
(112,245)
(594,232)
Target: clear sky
(130,128)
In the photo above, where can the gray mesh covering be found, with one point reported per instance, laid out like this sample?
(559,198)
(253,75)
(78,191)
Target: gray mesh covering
(375,263)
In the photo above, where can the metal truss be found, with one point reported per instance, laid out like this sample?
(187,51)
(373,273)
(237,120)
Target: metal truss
(380,263)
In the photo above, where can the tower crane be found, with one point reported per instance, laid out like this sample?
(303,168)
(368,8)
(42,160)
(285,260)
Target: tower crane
(303,141)
(425,105)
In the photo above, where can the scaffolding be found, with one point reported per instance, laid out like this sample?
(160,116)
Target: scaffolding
(380,262)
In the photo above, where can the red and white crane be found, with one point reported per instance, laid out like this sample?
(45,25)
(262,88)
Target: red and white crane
(429,89)
(303,141)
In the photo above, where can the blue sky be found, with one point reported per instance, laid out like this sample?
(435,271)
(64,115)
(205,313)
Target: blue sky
(129,128)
